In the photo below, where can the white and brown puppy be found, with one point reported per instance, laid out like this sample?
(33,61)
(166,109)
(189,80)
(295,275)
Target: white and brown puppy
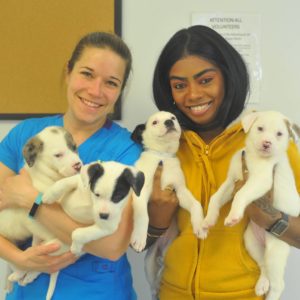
(104,188)
(268,135)
(49,156)
(160,139)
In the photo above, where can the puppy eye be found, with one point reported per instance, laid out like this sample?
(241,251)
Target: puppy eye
(279,133)
(154,122)
(173,118)
(58,155)
(97,195)
(260,128)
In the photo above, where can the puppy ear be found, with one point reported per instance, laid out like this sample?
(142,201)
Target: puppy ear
(293,129)
(31,150)
(248,120)
(137,133)
(90,174)
(70,141)
(136,180)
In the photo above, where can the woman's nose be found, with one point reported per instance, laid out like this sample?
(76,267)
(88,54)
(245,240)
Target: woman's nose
(96,88)
(195,91)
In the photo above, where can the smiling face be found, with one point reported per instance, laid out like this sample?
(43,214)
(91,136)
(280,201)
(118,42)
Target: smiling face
(94,85)
(197,88)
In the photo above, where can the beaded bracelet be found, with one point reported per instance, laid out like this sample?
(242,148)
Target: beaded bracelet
(35,206)
(155,232)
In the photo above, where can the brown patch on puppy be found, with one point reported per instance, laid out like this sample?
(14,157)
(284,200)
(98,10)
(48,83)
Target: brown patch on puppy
(70,142)
(32,148)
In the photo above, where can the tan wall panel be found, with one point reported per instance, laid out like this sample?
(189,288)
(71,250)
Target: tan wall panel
(36,40)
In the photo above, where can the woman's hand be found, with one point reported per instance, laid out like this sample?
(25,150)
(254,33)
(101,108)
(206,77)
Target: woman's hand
(17,191)
(39,258)
(163,203)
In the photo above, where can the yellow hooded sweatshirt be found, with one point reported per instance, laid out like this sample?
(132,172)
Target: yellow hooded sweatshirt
(218,268)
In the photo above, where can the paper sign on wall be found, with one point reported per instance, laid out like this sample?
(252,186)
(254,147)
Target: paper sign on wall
(243,31)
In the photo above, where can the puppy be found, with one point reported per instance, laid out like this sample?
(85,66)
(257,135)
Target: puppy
(49,156)
(105,188)
(268,135)
(160,139)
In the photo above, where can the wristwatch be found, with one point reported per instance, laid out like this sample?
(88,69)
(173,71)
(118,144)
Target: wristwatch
(280,226)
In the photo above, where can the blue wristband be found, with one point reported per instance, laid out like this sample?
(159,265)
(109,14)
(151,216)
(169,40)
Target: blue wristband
(35,206)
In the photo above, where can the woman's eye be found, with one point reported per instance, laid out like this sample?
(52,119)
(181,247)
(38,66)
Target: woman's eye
(178,86)
(206,80)
(87,74)
(112,83)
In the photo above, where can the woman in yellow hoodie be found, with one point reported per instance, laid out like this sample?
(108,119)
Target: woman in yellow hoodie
(202,79)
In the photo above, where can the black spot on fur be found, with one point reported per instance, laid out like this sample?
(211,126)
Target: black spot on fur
(137,133)
(95,171)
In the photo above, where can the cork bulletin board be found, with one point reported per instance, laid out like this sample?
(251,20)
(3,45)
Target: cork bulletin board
(36,41)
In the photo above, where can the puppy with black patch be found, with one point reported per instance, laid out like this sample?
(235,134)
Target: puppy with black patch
(105,188)
(49,156)
(160,140)
(265,156)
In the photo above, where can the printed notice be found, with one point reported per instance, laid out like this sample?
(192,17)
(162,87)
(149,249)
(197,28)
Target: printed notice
(243,31)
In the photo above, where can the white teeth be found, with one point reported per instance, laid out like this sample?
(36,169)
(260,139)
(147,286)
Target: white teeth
(90,103)
(199,107)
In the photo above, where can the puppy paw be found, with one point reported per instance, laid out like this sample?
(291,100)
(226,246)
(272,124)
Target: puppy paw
(204,229)
(201,233)
(138,241)
(232,219)
(209,221)
(48,197)
(76,248)
(29,277)
(16,276)
(262,286)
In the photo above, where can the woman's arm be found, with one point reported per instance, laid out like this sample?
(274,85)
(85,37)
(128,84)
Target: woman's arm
(265,215)
(162,207)
(61,225)
(33,258)
(17,190)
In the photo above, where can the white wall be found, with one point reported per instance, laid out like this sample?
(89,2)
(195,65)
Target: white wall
(147,25)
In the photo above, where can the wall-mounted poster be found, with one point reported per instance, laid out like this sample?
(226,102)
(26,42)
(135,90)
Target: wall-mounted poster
(37,38)
(243,31)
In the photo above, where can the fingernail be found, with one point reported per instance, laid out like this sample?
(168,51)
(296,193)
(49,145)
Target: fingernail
(160,163)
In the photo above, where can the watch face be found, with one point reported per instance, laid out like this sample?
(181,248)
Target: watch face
(280,226)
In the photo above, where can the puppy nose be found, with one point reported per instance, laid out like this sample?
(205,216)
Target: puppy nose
(104,216)
(267,144)
(77,166)
(169,123)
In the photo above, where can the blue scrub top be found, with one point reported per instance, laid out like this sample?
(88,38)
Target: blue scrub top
(90,277)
